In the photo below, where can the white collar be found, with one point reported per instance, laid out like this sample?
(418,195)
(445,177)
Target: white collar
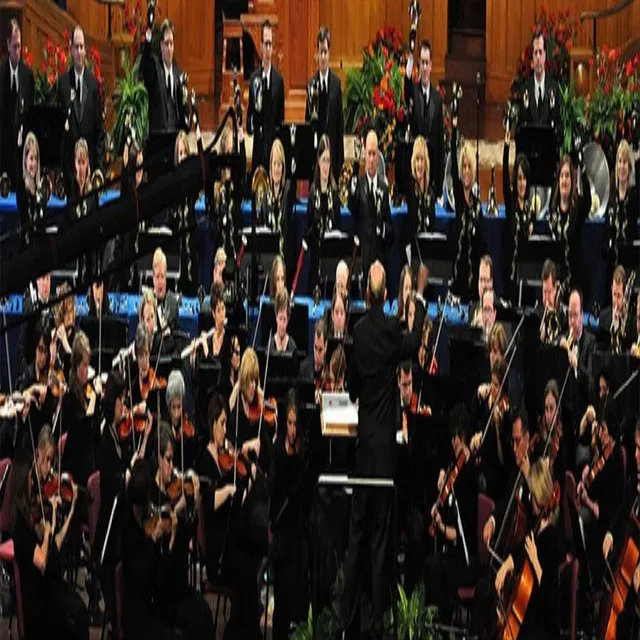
(372,181)
(167,70)
(324,78)
(538,84)
(12,69)
(79,75)
(426,89)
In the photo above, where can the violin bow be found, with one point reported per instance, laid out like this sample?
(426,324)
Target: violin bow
(100,337)
(235,448)
(35,464)
(264,386)
(554,421)
(255,331)
(447,300)
(133,436)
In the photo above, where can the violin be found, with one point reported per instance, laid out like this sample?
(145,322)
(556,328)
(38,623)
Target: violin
(56,382)
(416,409)
(554,445)
(162,514)
(152,382)
(136,421)
(227,459)
(62,485)
(175,487)
(596,468)
(449,481)
(500,409)
(268,409)
(188,428)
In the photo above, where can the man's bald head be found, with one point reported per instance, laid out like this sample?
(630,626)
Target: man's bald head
(371,152)
(377,283)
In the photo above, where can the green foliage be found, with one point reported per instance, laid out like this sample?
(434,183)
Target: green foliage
(414,616)
(572,113)
(130,95)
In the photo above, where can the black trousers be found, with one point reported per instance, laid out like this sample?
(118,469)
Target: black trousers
(193,616)
(369,530)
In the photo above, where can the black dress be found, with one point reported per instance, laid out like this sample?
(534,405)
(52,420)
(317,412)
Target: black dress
(227,560)
(421,211)
(32,212)
(467,233)
(50,605)
(289,552)
(323,214)
(182,219)
(516,233)
(77,208)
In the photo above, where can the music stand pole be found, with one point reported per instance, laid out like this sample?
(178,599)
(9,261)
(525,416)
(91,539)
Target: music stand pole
(478,81)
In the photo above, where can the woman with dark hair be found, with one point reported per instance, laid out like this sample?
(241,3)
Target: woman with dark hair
(98,299)
(51,607)
(185,609)
(147,574)
(289,553)
(323,209)
(228,560)
(520,217)
(567,217)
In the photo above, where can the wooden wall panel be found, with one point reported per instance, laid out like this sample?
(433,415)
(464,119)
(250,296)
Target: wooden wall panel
(509,30)
(353,23)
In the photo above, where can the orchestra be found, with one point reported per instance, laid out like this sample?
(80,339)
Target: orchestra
(467,440)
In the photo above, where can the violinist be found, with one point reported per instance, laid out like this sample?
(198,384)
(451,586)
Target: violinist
(600,480)
(65,319)
(622,524)
(182,429)
(142,386)
(635,346)
(255,440)
(312,366)
(337,370)
(588,424)
(411,503)
(51,606)
(338,326)
(485,281)
(147,575)
(455,522)
(542,548)
(547,429)
(281,341)
(148,312)
(229,560)
(289,508)
(495,452)
(115,462)
(183,608)
(234,369)
(406,286)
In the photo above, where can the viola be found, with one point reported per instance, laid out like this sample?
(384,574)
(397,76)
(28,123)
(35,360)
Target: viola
(596,468)
(510,622)
(554,445)
(56,382)
(178,481)
(152,382)
(449,482)
(622,575)
(227,460)
(62,485)
(162,514)
(188,428)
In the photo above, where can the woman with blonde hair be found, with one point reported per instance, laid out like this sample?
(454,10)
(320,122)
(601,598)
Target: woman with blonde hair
(421,201)
(467,228)
(624,207)
(29,191)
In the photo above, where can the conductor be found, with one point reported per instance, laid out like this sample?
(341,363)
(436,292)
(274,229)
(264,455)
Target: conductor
(379,345)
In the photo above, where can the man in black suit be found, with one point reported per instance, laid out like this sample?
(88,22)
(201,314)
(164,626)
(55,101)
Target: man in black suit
(16,96)
(162,79)
(312,366)
(330,117)
(379,345)
(369,203)
(167,302)
(580,382)
(78,88)
(425,113)
(540,98)
(266,103)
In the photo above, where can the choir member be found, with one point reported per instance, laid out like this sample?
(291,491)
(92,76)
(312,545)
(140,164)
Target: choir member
(30,191)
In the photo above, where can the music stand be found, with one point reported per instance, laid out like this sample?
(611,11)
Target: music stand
(629,255)
(159,154)
(468,354)
(114,335)
(436,250)
(618,368)
(47,123)
(209,374)
(403,167)
(551,362)
(301,155)
(532,256)
(282,366)
(539,144)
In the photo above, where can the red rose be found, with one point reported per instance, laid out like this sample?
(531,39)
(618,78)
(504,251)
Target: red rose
(628,68)
(591,62)
(400,114)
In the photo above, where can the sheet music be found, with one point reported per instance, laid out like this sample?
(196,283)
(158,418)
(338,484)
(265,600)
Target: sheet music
(432,235)
(262,230)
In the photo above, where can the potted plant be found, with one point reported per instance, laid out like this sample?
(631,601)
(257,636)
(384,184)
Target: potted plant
(130,96)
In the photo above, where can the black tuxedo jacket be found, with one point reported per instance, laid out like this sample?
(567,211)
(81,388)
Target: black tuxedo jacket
(264,125)
(10,116)
(85,121)
(165,113)
(379,345)
(334,124)
(430,125)
(169,310)
(373,246)
(546,114)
